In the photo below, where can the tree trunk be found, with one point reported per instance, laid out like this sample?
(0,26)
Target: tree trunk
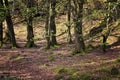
(69,22)
(7,36)
(30,34)
(52,23)
(1,34)
(1,26)
(109,19)
(47,27)
(10,25)
(78,9)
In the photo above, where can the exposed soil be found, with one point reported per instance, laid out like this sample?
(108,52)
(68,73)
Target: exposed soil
(40,64)
(35,63)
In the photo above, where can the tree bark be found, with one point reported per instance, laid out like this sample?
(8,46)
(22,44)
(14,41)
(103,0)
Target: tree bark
(69,22)
(30,34)
(47,27)
(10,25)
(7,36)
(78,9)
(1,26)
(1,34)
(52,23)
(109,19)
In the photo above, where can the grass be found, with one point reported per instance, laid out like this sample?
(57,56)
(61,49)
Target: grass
(51,52)
(102,58)
(107,72)
(63,70)
(15,57)
(9,78)
(118,59)
(66,73)
(51,58)
(74,74)
(103,69)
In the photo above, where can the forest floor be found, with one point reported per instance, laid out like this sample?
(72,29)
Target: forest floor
(38,64)
(57,63)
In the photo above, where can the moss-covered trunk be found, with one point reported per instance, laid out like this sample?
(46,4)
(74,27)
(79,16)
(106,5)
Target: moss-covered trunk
(78,9)
(69,22)
(10,25)
(52,23)
(30,34)
(47,27)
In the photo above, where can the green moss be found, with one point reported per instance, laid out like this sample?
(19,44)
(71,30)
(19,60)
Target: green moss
(118,59)
(78,76)
(74,52)
(9,78)
(14,47)
(102,58)
(51,52)
(86,77)
(51,58)
(57,46)
(104,69)
(28,44)
(16,57)
(90,47)
(0,44)
(67,71)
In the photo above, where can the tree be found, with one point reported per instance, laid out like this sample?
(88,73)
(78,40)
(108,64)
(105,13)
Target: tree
(47,27)
(29,19)
(10,25)
(1,26)
(110,17)
(1,34)
(77,18)
(69,22)
(52,22)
